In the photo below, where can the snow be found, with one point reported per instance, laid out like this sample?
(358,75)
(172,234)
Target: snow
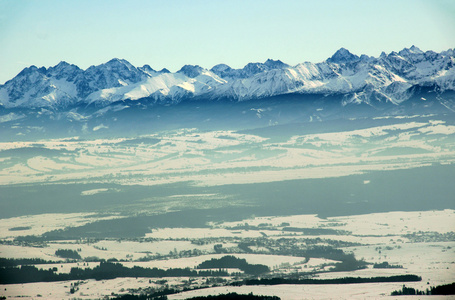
(39,224)
(375,224)
(93,192)
(68,88)
(138,250)
(10,117)
(398,222)
(44,164)
(438,129)
(162,85)
(101,126)
(200,233)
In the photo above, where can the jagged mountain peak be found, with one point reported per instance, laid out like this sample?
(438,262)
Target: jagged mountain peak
(250,69)
(408,52)
(343,55)
(225,71)
(275,64)
(254,67)
(64,70)
(116,60)
(63,65)
(415,49)
(119,63)
(191,70)
(147,67)
(29,70)
(220,68)
(152,72)
(113,65)
(148,70)
(364,57)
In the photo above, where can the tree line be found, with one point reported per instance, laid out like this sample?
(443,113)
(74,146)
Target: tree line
(230,261)
(229,296)
(447,289)
(345,280)
(12,262)
(105,270)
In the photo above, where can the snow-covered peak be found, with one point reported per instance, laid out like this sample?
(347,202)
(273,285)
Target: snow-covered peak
(412,50)
(117,63)
(164,70)
(152,72)
(114,73)
(366,58)
(225,71)
(31,70)
(220,68)
(148,70)
(64,70)
(413,54)
(275,64)
(61,66)
(191,71)
(249,70)
(343,56)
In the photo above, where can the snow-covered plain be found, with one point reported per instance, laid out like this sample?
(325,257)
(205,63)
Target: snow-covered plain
(227,157)
(39,224)
(383,237)
(421,241)
(92,289)
(314,291)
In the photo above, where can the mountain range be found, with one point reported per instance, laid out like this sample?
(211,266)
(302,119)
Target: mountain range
(409,81)
(364,79)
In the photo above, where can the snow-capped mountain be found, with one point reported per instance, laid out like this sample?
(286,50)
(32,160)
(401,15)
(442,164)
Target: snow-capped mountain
(390,78)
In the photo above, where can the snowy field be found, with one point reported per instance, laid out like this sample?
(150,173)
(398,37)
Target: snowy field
(376,224)
(91,289)
(383,237)
(112,180)
(227,157)
(316,291)
(39,224)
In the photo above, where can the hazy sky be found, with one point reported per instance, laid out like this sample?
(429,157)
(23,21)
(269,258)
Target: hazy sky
(173,33)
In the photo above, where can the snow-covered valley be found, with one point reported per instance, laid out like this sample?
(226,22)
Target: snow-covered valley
(378,238)
(300,199)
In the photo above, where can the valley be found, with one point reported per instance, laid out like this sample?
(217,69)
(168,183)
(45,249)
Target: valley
(343,199)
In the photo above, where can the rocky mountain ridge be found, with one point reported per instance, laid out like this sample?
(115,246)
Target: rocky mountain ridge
(390,78)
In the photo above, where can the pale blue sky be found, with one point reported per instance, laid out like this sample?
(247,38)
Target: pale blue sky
(173,33)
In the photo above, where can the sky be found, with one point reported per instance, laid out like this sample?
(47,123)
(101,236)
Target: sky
(172,33)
